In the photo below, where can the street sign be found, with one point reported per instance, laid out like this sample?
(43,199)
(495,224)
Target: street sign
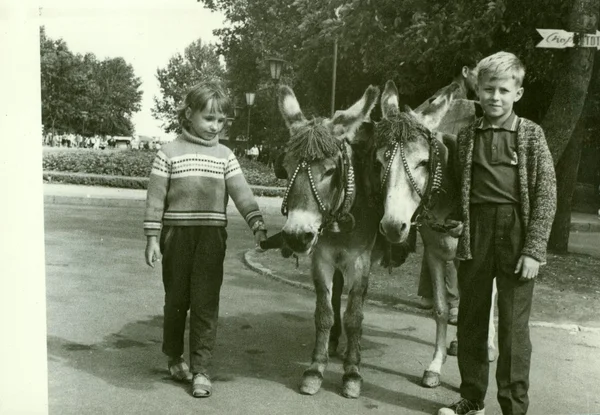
(560,39)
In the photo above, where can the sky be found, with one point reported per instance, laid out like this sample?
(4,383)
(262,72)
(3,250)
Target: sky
(146,33)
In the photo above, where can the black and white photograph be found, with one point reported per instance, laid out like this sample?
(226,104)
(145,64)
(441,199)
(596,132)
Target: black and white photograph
(301,207)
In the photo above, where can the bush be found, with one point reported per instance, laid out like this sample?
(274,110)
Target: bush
(128,163)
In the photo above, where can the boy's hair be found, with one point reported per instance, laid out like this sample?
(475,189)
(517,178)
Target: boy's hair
(199,96)
(501,64)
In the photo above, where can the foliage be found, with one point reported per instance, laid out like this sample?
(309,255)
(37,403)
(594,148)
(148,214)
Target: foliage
(136,164)
(198,63)
(85,96)
(415,43)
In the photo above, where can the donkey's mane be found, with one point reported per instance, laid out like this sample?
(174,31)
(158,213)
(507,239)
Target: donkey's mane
(398,126)
(312,141)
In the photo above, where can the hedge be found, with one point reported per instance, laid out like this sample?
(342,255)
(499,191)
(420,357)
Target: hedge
(132,163)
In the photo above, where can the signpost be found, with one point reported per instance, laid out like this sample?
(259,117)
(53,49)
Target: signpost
(560,39)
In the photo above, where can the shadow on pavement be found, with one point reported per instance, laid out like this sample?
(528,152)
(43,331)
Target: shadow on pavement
(275,347)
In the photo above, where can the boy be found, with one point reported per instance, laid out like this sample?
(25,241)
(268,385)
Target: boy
(508,201)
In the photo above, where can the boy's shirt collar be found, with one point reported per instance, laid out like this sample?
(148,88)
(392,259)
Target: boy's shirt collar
(510,124)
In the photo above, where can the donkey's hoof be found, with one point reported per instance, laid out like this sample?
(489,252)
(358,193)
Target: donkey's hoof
(311,383)
(453,348)
(352,386)
(491,354)
(430,379)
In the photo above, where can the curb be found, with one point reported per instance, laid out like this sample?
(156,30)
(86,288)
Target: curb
(258,268)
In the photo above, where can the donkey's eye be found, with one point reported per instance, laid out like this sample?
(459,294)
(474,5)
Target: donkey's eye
(329,172)
(423,163)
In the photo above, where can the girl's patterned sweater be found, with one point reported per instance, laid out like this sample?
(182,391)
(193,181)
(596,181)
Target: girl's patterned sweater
(190,184)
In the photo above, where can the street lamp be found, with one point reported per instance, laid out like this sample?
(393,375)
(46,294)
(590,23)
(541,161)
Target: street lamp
(249,102)
(275,64)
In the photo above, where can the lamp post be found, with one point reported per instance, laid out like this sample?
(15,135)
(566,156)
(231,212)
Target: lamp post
(249,102)
(275,65)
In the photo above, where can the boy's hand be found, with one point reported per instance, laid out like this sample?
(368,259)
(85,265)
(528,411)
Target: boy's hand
(152,251)
(528,267)
(259,236)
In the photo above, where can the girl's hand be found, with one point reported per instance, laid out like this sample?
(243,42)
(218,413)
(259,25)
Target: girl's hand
(260,236)
(152,251)
(528,267)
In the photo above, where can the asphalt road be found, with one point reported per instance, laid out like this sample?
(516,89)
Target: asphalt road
(104,319)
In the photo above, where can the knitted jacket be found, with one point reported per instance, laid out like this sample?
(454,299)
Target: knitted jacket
(537,187)
(190,184)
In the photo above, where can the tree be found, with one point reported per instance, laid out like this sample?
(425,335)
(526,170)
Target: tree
(564,115)
(82,95)
(198,63)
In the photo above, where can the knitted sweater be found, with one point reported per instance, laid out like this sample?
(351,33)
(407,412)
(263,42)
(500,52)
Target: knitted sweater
(190,184)
(537,187)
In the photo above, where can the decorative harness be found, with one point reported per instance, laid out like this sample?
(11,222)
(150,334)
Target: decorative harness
(423,214)
(340,212)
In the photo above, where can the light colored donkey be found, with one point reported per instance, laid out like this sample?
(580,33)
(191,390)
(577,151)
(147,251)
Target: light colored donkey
(419,188)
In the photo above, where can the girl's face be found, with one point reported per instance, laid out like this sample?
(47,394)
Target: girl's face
(207,123)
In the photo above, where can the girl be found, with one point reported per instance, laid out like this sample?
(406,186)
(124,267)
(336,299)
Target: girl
(190,183)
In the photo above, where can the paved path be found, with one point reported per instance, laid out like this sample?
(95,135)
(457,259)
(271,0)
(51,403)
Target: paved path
(104,318)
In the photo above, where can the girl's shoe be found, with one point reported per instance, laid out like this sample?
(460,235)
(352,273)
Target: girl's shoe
(201,386)
(179,370)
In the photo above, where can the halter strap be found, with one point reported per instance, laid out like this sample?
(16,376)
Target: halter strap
(340,210)
(434,183)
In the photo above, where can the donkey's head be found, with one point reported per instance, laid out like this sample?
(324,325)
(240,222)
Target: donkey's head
(317,162)
(404,157)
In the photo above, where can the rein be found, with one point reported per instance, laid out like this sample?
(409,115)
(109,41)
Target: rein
(340,212)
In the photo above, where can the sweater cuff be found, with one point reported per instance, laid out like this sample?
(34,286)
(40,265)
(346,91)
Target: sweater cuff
(152,228)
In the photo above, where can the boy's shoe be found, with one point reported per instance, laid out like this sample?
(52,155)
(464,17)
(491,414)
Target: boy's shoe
(463,407)
(179,370)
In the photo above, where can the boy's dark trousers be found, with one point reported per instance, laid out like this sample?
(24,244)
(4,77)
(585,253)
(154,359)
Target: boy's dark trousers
(497,235)
(192,267)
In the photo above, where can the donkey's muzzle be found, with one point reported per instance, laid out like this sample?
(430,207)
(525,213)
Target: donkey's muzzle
(395,232)
(299,242)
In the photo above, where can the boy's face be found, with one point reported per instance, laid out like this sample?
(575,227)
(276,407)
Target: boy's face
(207,123)
(497,96)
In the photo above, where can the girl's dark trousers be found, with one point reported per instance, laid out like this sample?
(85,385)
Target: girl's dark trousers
(192,268)
(497,235)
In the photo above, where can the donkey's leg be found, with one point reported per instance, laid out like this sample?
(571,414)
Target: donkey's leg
(492,329)
(453,348)
(323,280)
(437,267)
(336,302)
(353,318)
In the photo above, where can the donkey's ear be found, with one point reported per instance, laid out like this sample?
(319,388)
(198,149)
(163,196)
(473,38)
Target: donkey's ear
(432,115)
(289,107)
(389,100)
(346,123)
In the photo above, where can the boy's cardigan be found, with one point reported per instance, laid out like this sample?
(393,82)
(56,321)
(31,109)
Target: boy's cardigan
(537,187)
(190,184)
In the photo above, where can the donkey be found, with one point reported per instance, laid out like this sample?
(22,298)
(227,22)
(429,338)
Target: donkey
(329,218)
(419,187)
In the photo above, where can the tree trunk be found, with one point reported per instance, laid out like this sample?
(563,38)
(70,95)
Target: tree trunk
(566,178)
(569,97)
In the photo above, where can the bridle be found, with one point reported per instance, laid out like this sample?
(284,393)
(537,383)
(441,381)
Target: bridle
(423,214)
(340,211)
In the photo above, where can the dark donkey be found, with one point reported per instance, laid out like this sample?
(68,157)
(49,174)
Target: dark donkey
(328,216)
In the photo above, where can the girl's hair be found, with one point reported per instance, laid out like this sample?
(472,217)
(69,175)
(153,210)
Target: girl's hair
(199,96)
(501,64)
